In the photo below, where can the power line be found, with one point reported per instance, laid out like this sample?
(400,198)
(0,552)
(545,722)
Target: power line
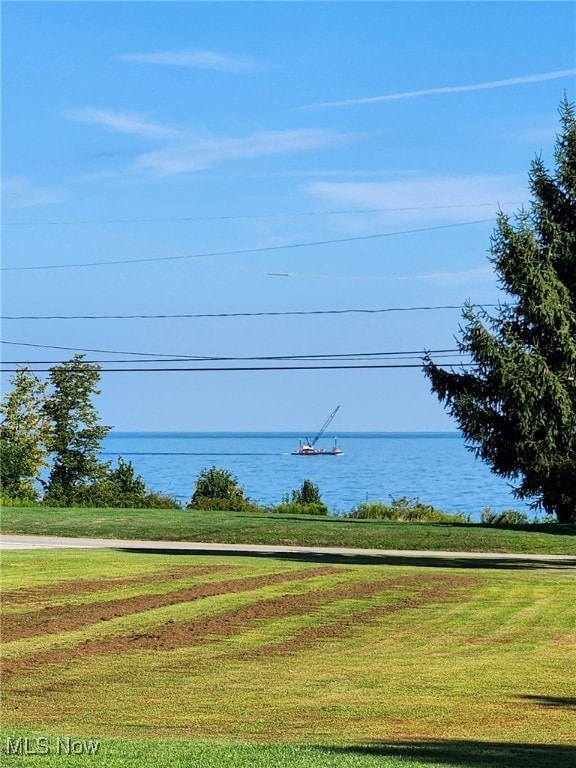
(243,251)
(290,313)
(179,358)
(355,356)
(233,217)
(252,368)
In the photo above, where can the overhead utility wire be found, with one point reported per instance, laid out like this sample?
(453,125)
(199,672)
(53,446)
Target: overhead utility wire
(257,215)
(251,368)
(137,364)
(351,357)
(173,357)
(290,313)
(242,251)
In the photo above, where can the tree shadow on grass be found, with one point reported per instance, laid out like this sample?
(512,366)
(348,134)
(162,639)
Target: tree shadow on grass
(469,754)
(563,702)
(333,558)
(556,529)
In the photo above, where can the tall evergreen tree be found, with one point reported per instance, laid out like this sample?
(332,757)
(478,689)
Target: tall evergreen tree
(516,407)
(75,434)
(23,433)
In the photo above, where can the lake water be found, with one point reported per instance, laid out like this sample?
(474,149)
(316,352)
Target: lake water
(436,467)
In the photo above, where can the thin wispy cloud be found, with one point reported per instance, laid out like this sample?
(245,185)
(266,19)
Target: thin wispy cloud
(449,198)
(194,58)
(200,152)
(122,122)
(533,135)
(184,150)
(19,193)
(454,277)
(335,173)
(448,89)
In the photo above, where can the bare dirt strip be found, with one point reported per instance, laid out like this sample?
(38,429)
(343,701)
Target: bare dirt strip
(63,618)
(424,588)
(21,595)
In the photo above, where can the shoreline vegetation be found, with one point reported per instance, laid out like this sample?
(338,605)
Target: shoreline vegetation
(216,488)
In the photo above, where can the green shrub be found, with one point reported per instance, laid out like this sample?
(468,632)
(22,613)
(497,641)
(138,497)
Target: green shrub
(305,500)
(545,519)
(154,500)
(219,505)
(404,510)
(513,517)
(507,517)
(6,501)
(294,508)
(308,493)
(218,489)
(488,516)
(120,487)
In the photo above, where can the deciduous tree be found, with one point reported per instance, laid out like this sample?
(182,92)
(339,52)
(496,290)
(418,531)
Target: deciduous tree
(23,433)
(75,433)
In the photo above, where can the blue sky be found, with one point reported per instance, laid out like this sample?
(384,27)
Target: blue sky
(175,158)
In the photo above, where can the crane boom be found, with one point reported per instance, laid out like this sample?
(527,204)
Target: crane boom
(324,426)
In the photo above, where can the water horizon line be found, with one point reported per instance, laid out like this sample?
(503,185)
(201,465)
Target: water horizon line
(282,433)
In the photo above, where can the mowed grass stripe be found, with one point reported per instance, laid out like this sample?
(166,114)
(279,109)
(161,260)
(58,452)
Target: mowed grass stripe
(183,627)
(284,635)
(391,595)
(155,587)
(63,618)
(81,590)
(327,613)
(351,616)
(75,592)
(248,590)
(23,583)
(21,575)
(533,608)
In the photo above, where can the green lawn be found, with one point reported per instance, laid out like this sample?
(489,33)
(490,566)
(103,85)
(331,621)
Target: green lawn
(176,753)
(180,660)
(246,528)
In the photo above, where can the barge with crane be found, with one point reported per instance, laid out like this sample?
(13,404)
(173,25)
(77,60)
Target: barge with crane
(308,447)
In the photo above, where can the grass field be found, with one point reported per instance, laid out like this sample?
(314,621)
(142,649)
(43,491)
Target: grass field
(246,528)
(180,660)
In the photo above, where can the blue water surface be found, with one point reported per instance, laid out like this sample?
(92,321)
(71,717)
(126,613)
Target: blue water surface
(435,467)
